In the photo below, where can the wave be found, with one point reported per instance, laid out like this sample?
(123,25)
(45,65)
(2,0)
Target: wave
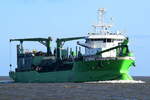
(118,81)
(6,81)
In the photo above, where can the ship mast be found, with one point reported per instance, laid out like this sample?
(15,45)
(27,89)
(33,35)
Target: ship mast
(101,27)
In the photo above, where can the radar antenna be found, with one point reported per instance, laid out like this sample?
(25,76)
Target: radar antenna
(101,24)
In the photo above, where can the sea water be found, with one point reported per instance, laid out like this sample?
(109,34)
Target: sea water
(138,89)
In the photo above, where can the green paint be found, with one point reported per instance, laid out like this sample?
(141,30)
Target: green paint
(37,60)
(82,71)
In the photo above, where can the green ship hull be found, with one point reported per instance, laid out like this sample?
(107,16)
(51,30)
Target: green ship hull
(82,71)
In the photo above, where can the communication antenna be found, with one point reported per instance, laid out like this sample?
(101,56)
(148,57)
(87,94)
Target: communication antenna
(101,24)
(10,55)
(101,12)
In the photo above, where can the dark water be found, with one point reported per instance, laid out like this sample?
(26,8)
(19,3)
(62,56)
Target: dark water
(75,91)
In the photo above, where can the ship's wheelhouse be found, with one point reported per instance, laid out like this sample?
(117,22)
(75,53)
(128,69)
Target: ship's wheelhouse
(97,43)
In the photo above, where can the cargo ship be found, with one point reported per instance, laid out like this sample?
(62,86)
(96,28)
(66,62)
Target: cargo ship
(106,56)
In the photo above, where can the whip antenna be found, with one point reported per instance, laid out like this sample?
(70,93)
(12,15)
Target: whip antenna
(10,65)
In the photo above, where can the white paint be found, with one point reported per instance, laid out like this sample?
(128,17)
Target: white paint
(119,81)
(102,39)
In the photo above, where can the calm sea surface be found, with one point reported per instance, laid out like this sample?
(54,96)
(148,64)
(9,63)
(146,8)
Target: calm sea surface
(75,91)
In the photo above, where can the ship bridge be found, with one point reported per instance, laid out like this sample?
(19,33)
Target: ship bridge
(102,38)
(102,42)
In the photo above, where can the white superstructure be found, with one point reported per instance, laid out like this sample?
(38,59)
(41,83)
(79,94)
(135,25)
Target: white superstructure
(102,39)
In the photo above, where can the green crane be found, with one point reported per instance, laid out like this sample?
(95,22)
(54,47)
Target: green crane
(60,42)
(44,41)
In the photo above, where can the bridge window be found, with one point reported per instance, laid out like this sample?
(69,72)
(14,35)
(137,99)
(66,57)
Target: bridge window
(108,40)
(103,40)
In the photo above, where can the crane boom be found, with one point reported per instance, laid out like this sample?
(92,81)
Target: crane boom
(44,41)
(60,42)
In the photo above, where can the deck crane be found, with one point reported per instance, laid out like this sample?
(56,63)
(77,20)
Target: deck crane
(44,41)
(60,42)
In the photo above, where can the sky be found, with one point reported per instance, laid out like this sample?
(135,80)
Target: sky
(65,18)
